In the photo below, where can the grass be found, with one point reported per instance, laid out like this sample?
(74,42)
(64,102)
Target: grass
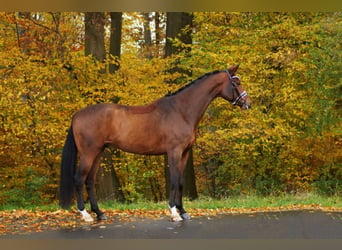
(239,202)
(33,218)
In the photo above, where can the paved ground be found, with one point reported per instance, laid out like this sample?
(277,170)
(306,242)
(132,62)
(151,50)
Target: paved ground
(280,225)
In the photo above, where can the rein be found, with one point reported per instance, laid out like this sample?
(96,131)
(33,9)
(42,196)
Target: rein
(240,95)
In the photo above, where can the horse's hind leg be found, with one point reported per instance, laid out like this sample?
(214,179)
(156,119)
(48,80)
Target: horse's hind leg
(90,183)
(80,177)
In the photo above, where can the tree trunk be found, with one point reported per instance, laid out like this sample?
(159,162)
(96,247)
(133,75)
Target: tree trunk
(178,25)
(104,183)
(158,33)
(107,182)
(167,177)
(152,45)
(24,43)
(115,40)
(94,35)
(189,187)
(147,47)
(108,185)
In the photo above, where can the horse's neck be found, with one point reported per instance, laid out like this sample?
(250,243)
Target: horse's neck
(193,101)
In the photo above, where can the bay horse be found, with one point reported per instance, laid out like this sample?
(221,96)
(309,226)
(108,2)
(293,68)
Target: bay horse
(166,126)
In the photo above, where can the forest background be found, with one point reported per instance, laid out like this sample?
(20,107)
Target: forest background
(53,64)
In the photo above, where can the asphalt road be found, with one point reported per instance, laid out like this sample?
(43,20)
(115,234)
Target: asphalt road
(275,225)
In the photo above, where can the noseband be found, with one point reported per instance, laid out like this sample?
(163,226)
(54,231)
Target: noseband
(240,95)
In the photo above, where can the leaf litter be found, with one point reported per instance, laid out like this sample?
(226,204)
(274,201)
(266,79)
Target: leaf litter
(23,221)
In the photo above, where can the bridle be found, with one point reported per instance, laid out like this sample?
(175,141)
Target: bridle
(240,95)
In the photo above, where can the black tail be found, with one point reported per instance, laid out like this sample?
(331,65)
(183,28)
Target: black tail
(68,165)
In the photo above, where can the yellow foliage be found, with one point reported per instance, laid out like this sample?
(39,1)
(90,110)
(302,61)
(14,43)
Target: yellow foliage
(289,64)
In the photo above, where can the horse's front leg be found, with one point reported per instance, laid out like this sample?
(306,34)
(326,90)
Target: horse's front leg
(176,167)
(179,203)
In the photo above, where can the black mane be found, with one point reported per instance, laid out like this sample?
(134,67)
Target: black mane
(193,82)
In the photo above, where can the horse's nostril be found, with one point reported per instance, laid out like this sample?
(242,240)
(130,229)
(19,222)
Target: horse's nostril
(247,106)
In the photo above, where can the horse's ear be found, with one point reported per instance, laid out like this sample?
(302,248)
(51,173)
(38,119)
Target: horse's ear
(233,69)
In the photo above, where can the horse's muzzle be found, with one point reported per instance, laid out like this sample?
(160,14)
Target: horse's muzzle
(246,106)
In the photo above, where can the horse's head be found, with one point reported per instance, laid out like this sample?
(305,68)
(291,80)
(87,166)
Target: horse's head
(233,91)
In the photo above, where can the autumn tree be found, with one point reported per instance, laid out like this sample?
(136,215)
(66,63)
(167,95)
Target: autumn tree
(147,35)
(107,182)
(21,28)
(94,35)
(115,40)
(179,27)
(289,142)
(38,91)
(263,150)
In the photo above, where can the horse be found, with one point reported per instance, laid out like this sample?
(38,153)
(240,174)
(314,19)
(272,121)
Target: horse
(166,126)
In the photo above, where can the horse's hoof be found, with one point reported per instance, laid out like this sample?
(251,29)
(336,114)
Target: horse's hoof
(176,219)
(102,217)
(186,216)
(86,217)
(174,214)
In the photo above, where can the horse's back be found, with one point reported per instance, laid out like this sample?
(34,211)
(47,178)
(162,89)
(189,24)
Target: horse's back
(136,129)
